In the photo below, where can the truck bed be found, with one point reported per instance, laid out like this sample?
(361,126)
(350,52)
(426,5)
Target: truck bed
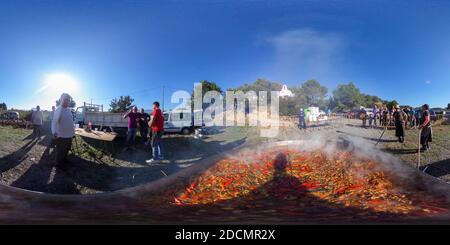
(106,119)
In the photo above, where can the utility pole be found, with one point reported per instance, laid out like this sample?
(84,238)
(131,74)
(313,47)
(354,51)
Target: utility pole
(163,98)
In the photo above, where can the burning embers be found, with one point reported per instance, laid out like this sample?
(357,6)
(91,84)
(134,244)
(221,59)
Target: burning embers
(297,183)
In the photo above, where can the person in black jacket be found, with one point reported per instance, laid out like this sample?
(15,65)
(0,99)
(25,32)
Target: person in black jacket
(143,123)
(399,124)
(301,119)
(426,135)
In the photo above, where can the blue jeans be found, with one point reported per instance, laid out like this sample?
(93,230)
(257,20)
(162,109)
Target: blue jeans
(156,145)
(302,123)
(131,136)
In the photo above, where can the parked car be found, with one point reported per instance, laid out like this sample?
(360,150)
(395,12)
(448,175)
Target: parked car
(418,114)
(177,122)
(433,115)
(439,111)
(10,115)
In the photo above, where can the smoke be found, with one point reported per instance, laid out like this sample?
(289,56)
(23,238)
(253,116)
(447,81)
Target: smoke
(307,53)
(330,142)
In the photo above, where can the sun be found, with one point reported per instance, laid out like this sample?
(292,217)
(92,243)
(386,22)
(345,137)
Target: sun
(53,85)
(59,83)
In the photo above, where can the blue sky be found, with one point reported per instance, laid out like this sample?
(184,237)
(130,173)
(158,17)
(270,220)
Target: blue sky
(394,49)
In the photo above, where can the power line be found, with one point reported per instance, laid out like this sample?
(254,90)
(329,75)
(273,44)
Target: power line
(134,92)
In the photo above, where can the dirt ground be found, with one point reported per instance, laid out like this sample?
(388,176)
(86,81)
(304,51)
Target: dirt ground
(28,163)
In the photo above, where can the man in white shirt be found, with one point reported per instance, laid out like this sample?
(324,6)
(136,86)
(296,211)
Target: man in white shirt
(50,119)
(52,113)
(63,128)
(36,119)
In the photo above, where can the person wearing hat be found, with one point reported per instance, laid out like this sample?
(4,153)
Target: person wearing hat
(426,135)
(63,129)
(399,124)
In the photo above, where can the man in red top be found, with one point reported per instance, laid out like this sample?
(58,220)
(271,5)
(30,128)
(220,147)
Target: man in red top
(157,125)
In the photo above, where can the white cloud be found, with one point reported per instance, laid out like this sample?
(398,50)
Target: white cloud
(307,53)
(427,82)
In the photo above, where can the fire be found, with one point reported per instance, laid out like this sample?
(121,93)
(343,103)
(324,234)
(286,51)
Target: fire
(296,181)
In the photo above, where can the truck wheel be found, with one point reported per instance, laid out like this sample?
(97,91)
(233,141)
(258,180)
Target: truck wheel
(185,131)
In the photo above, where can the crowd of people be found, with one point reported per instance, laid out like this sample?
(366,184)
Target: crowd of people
(151,127)
(143,122)
(61,123)
(401,119)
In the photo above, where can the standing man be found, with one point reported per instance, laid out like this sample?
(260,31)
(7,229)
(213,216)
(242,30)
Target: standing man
(375,114)
(50,117)
(426,135)
(63,129)
(399,124)
(143,121)
(37,118)
(412,118)
(405,117)
(363,116)
(133,123)
(157,125)
(301,119)
(50,120)
(52,114)
(371,119)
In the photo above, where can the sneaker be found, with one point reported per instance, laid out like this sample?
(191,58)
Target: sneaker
(150,161)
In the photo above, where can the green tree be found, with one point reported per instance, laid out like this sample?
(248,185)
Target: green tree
(346,97)
(206,87)
(370,100)
(288,105)
(121,104)
(391,104)
(314,93)
(260,85)
(210,86)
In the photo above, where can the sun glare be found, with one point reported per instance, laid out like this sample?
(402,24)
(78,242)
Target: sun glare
(59,83)
(54,84)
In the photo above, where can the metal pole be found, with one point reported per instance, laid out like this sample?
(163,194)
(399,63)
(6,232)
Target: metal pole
(163,98)
(381,136)
(418,150)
